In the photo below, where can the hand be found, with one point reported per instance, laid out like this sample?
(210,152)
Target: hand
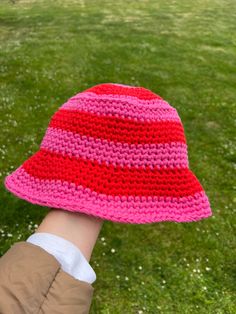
(81,229)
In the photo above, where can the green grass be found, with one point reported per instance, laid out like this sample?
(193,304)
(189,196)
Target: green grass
(186,52)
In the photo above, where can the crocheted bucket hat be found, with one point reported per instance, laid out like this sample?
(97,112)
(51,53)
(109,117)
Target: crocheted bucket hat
(117,152)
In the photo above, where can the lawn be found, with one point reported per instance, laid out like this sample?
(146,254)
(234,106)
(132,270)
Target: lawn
(184,51)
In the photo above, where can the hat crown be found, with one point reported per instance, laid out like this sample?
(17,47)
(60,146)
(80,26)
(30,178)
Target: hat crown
(131,122)
(120,100)
(121,89)
(109,91)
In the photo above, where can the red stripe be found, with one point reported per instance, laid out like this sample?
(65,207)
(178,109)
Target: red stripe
(139,92)
(112,180)
(117,128)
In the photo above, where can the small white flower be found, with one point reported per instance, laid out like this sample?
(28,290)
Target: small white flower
(140,267)
(9,235)
(208,268)
(117,276)
(113,250)
(102,239)
(204,288)
(126,278)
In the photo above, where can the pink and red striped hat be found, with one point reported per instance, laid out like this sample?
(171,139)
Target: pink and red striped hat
(117,152)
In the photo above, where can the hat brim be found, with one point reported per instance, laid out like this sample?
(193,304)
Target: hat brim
(56,193)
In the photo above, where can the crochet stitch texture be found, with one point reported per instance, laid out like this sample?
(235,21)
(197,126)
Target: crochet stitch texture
(117,152)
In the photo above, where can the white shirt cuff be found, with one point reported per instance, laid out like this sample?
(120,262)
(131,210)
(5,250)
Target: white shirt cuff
(69,256)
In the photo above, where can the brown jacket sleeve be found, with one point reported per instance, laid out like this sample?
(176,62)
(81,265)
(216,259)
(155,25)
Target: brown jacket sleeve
(32,281)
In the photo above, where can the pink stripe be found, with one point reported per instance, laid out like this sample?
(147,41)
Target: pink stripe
(129,209)
(122,106)
(163,154)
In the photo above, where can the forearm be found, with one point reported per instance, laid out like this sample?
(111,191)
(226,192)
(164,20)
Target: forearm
(81,229)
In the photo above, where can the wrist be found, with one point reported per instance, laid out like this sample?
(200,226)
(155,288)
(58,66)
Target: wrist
(81,229)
